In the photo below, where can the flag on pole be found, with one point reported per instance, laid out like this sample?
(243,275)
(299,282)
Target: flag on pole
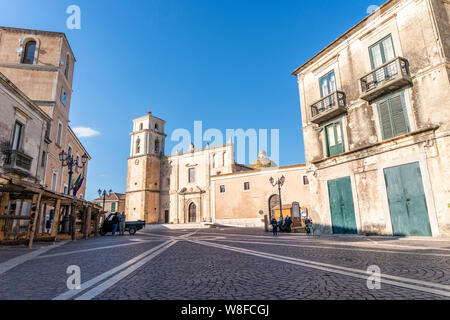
(77,185)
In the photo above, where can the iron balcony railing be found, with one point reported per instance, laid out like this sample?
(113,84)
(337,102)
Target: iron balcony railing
(391,75)
(329,106)
(17,160)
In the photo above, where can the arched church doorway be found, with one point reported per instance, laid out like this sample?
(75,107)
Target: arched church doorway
(273,202)
(192,213)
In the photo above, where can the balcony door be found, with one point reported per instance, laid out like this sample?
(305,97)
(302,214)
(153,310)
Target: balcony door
(334,139)
(381,53)
(17,136)
(327,86)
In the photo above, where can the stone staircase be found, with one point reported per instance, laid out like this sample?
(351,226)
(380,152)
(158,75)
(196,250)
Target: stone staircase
(178,226)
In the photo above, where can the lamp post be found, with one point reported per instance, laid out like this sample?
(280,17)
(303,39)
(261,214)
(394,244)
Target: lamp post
(278,183)
(104,194)
(68,161)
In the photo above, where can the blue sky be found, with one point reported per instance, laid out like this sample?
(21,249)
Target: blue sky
(227,63)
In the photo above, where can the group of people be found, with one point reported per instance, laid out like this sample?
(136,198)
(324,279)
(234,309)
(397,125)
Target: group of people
(282,224)
(118,222)
(285,225)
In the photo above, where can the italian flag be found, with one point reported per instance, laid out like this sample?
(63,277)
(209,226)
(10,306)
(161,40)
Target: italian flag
(77,185)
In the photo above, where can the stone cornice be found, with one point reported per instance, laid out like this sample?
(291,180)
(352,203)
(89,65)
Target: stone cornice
(29,67)
(365,151)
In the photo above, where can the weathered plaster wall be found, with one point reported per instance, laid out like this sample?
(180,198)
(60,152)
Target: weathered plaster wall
(237,203)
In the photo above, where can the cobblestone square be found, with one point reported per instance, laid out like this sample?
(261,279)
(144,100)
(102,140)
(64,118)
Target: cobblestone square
(228,264)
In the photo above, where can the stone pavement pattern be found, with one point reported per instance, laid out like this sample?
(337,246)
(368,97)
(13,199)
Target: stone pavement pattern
(229,264)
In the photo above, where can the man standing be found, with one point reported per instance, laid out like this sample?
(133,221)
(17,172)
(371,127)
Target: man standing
(115,223)
(122,218)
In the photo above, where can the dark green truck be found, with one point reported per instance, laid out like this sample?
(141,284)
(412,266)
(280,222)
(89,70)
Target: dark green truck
(131,226)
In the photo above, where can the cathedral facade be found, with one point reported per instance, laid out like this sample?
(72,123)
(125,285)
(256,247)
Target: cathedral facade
(196,186)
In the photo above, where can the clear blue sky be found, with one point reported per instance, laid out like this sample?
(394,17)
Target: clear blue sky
(225,62)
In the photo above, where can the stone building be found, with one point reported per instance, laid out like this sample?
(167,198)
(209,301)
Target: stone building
(41,64)
(22,134)
(244,198)
(375,109)
(181,188)
(36,73)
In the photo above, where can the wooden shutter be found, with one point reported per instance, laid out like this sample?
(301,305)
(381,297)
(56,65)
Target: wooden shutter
(398,116)
(385,120)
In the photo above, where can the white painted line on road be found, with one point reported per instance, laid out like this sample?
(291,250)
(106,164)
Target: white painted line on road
(293,237)
(362,243)
(341,270)
(188,235)
(71,293)
(94,249)
(333,248)
(118,277)
(174,237)
(14,262)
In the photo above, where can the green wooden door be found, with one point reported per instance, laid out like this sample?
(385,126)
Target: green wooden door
(407,203)
(341,205)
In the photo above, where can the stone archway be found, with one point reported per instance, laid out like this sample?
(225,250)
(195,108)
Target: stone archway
(192,213)
(273,202)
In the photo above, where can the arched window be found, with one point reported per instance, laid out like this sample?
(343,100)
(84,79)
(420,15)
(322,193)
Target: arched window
(156,146)
(29,52)
(141,127)
(138,145)
(156,127)
(66,70)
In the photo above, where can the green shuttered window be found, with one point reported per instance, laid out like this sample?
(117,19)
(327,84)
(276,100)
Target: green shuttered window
(393,117)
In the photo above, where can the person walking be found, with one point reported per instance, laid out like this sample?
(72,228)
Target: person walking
(274,224)
(122,218)
(115,222)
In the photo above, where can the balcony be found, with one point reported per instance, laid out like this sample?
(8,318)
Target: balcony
(389,77)
(328,107)
(15,160)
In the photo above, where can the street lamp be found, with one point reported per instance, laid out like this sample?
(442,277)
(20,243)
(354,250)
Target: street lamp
(104,194)
(278,183)
(68,161)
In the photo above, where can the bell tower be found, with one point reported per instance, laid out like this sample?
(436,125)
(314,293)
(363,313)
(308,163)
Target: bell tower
(144,167)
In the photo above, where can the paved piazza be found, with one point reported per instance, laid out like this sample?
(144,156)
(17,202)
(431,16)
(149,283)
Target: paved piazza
(228,264)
